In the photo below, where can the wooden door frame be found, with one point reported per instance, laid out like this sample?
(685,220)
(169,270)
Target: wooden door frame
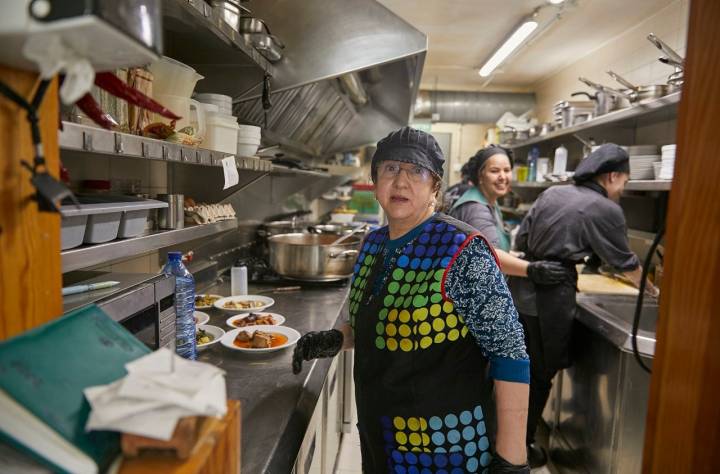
(682,433)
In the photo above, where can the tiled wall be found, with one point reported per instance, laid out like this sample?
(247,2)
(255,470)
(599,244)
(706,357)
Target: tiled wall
(630,55)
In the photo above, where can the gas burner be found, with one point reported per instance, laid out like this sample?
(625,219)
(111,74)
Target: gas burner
(259,270)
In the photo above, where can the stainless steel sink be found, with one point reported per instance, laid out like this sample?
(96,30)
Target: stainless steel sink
(612,316)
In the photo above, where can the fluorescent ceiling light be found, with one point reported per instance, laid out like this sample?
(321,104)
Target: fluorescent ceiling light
(556,2)
(520,35)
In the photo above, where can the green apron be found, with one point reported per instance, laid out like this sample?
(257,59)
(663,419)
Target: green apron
(474,195)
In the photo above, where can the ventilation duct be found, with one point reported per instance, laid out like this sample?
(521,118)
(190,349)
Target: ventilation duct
(470,107)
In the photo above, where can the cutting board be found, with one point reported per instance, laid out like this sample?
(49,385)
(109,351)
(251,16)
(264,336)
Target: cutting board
(602,285)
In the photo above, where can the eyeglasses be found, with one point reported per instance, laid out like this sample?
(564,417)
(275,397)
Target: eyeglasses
(415,173)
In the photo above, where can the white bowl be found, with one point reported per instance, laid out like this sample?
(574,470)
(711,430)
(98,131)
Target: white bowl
(342,218)
(247,150)
(216,333)
(207,306)
(278,318)
(266,300)
(290,333)
(201,318)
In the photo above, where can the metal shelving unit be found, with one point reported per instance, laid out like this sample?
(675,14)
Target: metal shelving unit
(84,138)
(638,185)
(285,171)
(209,30)
(91,255)
(645,113)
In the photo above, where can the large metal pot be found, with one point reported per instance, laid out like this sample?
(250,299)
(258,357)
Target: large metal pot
(268,229)
(641,93)
(312,257)
(332,229)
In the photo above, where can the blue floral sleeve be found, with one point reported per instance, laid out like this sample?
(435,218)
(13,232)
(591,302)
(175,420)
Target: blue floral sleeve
(477,289)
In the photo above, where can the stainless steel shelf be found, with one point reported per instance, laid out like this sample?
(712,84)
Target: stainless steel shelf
(213,32)
(648,185)
(91,255)
(84,138)
(639,185)
(647,112)
(285,171)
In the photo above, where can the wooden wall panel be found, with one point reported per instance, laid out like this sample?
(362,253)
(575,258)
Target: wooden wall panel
(30,267)
(683,426)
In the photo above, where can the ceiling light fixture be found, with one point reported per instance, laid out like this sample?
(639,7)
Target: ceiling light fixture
(555,2)
(512,43)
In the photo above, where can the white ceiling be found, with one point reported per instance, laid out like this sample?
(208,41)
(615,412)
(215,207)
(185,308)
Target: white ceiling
(462,34)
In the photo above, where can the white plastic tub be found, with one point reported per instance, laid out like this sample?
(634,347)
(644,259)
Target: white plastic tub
(222,133)
(104,218)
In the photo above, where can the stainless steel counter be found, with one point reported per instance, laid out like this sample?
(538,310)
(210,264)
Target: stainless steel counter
(598,406)
(277,405)
(611,316)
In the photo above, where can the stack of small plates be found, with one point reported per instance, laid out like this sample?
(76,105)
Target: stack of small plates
(641,166)
(668,162)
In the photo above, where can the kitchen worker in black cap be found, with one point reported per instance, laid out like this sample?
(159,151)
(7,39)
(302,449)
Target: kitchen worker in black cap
(434,329)
(567,224)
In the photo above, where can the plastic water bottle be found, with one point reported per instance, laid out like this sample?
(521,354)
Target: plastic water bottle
(185,344)
(560,162)
(532,164)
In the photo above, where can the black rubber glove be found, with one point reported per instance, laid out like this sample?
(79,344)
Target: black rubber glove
(544,272)
(499,465)
(316,345)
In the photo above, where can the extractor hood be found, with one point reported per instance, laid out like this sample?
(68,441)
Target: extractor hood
(350,74)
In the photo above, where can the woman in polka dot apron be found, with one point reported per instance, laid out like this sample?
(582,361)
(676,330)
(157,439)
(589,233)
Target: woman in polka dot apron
(433,324)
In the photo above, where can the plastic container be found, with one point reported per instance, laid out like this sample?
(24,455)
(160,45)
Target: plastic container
(172,77)
(185,344)
(560,161)
(223,102)
(221,134)
(238,281)
(104,218)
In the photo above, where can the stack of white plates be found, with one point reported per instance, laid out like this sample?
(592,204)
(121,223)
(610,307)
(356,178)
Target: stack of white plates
(641,166)
(248,140)
(668,161)
(224,102)
(634,150)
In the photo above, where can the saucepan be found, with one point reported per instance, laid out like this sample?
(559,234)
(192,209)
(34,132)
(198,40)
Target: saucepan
(641,93)
(606,99)
(313,257)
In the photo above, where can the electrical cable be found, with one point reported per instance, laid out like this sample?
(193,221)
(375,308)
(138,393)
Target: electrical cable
(641,296)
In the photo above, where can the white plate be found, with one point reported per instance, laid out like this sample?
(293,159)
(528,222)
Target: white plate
(292,335)
(267,302)
(216,332)
(205,307)
(278,318)
(201,318)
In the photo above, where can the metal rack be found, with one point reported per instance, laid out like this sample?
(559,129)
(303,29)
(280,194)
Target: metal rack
(90,255)
(640,114)
(638,185)
(89,139)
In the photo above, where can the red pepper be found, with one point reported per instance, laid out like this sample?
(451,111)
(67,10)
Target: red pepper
(111,83)
(91,108)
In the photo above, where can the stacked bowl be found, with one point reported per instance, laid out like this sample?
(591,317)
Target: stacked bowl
(642,158)
(223,102)
(667,166)
(248,140)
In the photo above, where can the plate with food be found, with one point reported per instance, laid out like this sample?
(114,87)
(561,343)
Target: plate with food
(205,301)
(255,319)
(259,339)
(244,303)
(206,336)
(201,318)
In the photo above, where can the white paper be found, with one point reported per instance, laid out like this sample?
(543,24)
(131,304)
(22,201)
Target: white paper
(160,388)
(230,171)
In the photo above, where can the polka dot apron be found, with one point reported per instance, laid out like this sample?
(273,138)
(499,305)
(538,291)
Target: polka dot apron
(422,391)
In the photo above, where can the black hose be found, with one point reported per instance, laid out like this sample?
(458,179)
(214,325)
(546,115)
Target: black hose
(641,296)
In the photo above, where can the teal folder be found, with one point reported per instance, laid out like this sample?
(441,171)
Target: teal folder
(43,373)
